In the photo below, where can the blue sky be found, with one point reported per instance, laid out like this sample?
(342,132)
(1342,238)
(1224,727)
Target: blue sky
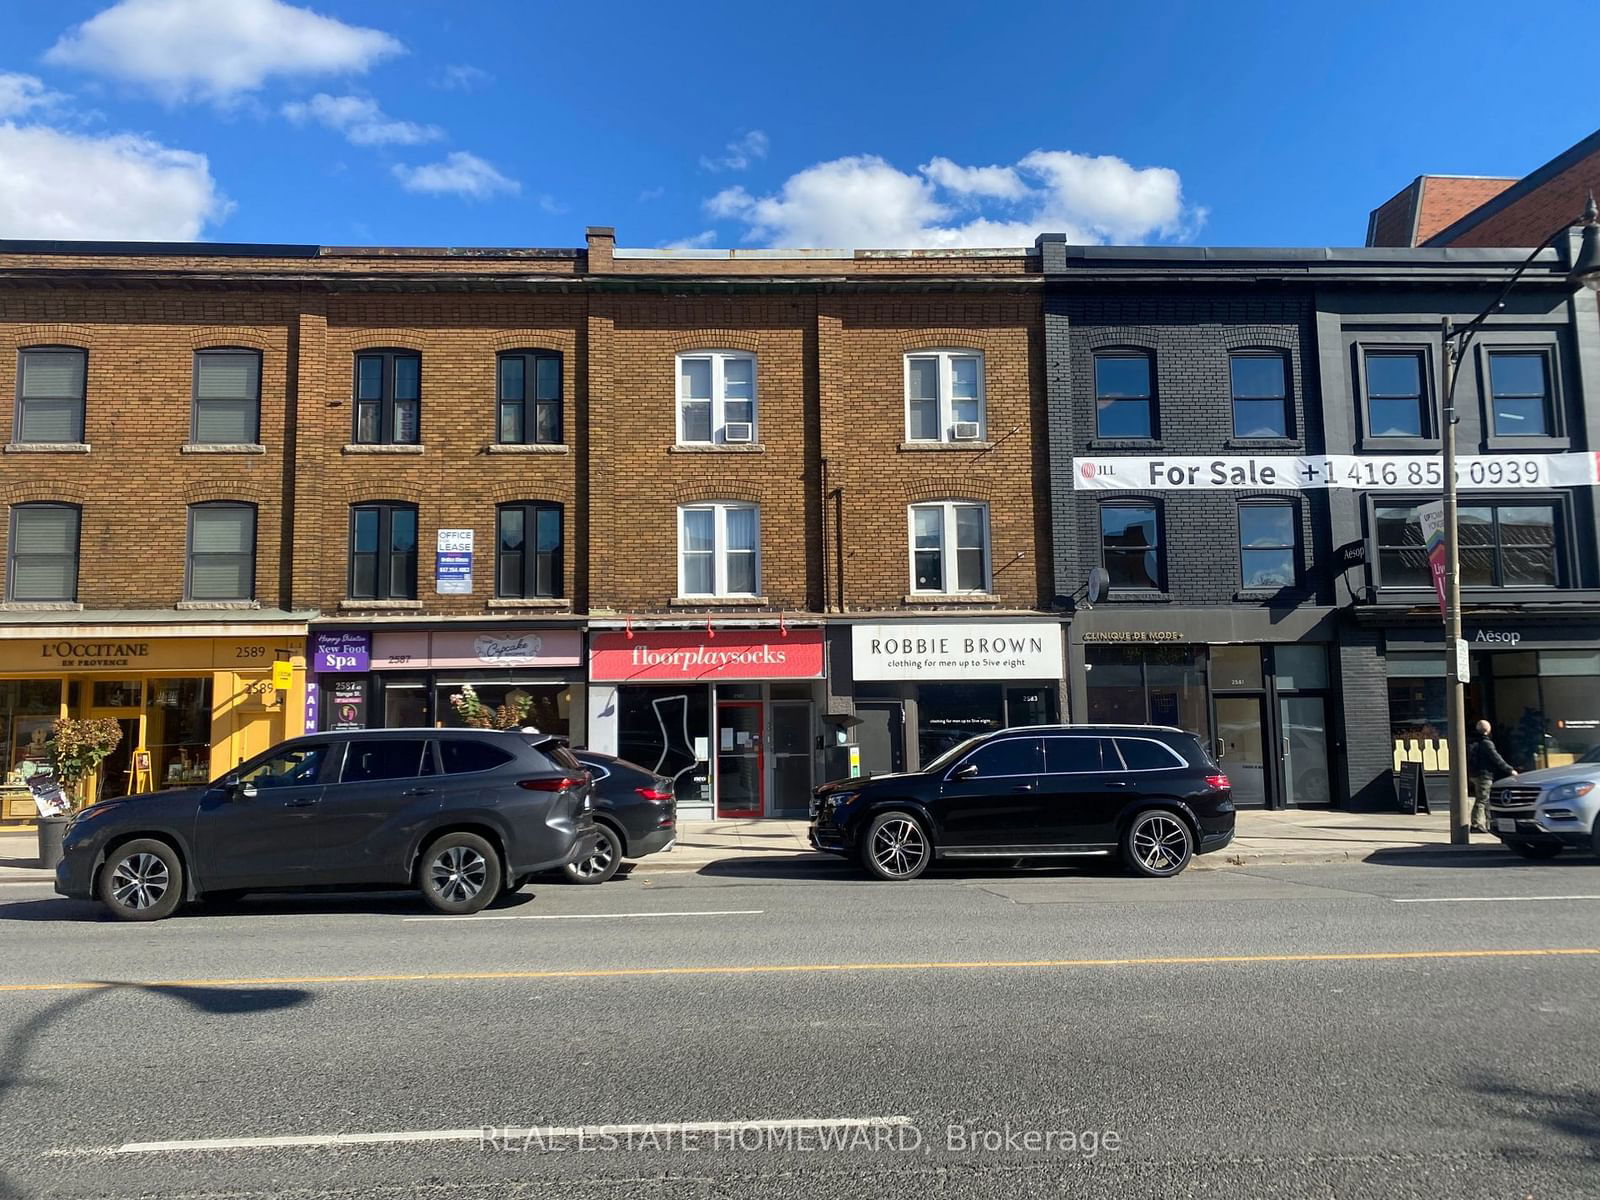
(502,123)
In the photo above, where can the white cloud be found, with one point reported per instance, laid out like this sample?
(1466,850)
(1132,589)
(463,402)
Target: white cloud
(55,184)
(863,201)
(216,50)
(459,174)
(360,120)
(695,241)
(739,153)
(462,77)
(651,193)
(23,93)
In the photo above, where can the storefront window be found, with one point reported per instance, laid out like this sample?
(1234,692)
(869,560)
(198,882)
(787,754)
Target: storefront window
(948,713)
(28,707)
(549,704)
(1149,685)
(1545,705)
(669,732)
(177,731)
(1236,667)
(1300,668)
(1416,708)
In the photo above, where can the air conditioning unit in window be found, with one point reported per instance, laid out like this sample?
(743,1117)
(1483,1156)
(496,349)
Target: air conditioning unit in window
(966,431)
(738,431)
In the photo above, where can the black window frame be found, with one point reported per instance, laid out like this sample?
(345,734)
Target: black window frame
(1428,400)
(250,555)
(529,403)
(11,551)
(383,556)
(386,401)
(1556,436)
(1160,546)
(82,399)
(1285,399)
(1153,412)
(1293,547)
(1561,542)
(196,400)
(530,560)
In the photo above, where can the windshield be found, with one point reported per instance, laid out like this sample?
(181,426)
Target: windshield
(955,752)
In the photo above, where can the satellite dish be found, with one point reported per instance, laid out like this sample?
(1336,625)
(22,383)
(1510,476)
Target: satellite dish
(1095,589)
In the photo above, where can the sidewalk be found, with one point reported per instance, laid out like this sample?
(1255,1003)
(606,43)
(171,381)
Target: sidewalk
(1289,836)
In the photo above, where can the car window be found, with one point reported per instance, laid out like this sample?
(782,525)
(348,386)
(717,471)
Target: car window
(1141,754)
(462,756)
(1071,755)
(562,757)
(596,768)
(952,754)
(293,766)
(1593,756)
(385,758)
(1010,756)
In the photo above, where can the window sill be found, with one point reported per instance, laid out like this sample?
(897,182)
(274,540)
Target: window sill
(528,448)
(1369,445)
(222,448)
(382,448)
(1290,595)
(1531,445)
(717,448)
(41,606)
(530,602)
(1285,443)
(47,448)
(386,605)
(950,598)
(957,446)
(718,601)
(217,605)
(1125,444)
(1137,596)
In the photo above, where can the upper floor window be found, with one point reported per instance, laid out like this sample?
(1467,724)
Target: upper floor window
(1260,395)
(528,551)
(227,397)
(530,398)
(388,397)
(1130,545)
(1124,404)
(383,552)
(43,564)
(950,547)
(719,550)
(716,397)
(1502,545)
(1266,544)
(222,551)
(944,396)
(1520,394)
(1397,394)
(50,387)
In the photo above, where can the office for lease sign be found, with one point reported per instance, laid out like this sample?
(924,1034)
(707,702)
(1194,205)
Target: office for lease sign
(1397,472)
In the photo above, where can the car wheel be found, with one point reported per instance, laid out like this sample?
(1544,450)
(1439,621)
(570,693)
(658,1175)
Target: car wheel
(1535,850)
(459,873)
(141,881)
(601,863)
(1157,844)
(896,846)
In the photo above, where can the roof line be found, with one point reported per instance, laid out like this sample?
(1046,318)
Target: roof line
(1529,183)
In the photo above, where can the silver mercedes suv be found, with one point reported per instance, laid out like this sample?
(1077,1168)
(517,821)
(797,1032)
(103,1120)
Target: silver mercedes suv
(1540,813)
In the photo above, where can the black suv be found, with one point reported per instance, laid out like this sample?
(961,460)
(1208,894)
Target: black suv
(634,811)
(1148,792)
(462,815)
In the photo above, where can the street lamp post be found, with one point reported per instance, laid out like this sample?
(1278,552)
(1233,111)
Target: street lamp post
(1585,271)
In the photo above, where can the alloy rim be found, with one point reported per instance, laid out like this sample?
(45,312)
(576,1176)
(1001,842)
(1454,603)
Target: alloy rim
(459,873)
(140,881)
(1161,844)
(898,847)
(598,862)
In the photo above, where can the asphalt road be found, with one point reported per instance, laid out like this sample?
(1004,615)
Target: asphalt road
(1389,1030)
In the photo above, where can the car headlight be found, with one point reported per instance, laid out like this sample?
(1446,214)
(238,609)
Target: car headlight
(839,799)
(1568,791)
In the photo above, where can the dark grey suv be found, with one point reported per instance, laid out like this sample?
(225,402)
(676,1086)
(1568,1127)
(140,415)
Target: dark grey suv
(461,815)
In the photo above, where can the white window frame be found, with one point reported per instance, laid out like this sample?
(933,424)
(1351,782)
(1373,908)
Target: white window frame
(947,418)
(718,360)
(719,546)
(947,548)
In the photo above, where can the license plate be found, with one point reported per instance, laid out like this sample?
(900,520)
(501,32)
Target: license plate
(1505,825)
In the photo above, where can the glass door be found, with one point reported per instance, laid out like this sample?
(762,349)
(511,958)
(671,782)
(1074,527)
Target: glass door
(1303,732)
(1241,734)
(740,759)
(791,758)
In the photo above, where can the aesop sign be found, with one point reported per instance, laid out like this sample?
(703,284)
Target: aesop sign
(959,650)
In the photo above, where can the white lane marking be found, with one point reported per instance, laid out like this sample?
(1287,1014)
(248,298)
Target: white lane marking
(532,1134)
(725,912)
(1481,899)
(33,883)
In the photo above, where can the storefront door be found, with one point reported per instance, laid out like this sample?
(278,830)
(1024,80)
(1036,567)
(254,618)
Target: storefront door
(791,757)
(1242,736)
(1303,736)
(1272,723)
(740,758)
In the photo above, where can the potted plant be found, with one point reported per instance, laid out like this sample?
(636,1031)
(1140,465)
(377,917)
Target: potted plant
(76,748)
(475,714)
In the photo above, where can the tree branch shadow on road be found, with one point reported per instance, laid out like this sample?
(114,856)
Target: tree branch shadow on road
(20,1045)
(1572,1115)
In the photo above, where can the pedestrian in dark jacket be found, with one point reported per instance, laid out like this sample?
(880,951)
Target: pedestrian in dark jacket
(1484,765)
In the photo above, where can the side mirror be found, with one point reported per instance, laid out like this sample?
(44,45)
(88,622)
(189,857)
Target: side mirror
(970,771)
(239,789)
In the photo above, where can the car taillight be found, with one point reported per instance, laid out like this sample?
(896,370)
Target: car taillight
(654,796)
(1217,782)
(550,785)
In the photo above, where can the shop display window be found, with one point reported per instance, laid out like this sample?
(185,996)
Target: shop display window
(549,704)
(668,731)
(177,731)
(28,707)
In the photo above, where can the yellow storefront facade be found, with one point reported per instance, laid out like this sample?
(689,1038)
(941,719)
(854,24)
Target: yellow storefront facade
(190,707)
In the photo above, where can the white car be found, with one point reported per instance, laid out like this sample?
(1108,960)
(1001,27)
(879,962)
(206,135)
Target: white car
(1540,813)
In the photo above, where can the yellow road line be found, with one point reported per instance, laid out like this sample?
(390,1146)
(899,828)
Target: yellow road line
(811,968)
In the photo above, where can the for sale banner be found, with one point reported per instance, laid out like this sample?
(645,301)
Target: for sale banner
(1485,472)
